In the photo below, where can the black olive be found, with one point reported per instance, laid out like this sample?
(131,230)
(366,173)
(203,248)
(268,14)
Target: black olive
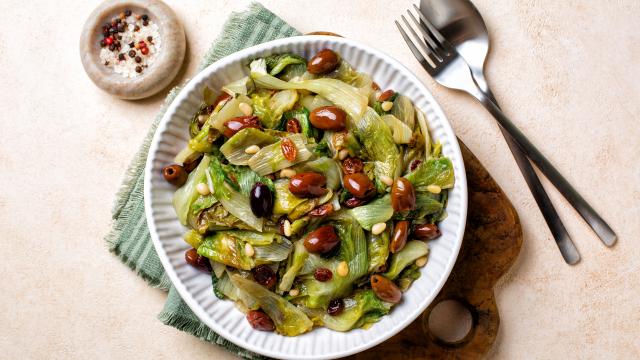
(261,200)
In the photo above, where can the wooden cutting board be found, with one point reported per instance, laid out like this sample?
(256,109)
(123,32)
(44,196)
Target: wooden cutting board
(491,244)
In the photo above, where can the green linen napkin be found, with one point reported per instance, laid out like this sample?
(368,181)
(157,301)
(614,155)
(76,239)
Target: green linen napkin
(129,237)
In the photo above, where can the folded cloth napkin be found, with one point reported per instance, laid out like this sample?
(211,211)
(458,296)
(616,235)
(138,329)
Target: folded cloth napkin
(129,237)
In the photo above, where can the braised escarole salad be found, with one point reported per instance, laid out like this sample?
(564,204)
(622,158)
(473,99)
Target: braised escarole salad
(310,194)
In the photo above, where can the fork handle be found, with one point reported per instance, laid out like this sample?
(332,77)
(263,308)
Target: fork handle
(560,234)
(599,226)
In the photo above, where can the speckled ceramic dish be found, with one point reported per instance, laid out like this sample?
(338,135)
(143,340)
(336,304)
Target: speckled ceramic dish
(159,74)
(195,286)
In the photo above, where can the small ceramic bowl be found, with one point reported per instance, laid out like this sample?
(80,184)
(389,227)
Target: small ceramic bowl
(159,73)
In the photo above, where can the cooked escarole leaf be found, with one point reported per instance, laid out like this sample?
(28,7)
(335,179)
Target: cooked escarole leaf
(312,102)
(216,218)
(277,63)
(225,249)
(187,194)
(247,178)
(378,250)
(296,261)
(229,290)
(234,148)
(343,95)
(408,276)
(288,319)
(230,110)
(413,250)
(238,205)
(360,80)
(239,87)
(228,247)
(193,238)
(204,139)
(361,309)
(401,132)
(424,128)
(377,140)
(353,251)
(284,200)
(404,111)
(432,172)
(271,159)
(233,201)
(377,211)
(426,204)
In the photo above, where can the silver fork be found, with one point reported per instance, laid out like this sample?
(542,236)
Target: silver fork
(449,69)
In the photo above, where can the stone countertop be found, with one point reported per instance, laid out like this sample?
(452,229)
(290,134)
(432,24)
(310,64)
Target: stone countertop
(566,77)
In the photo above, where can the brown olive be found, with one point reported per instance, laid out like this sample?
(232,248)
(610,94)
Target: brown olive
(359,185)
(352,165)
(175,174)
(197,261)
(403,197)
(264,275)
(385,289)
(232,126)
(321,240)
(399,238)
(260,321)
(308,184)
(324,61)
(336,306)
(426,231)
(322,274)
(261,200)
(328,118)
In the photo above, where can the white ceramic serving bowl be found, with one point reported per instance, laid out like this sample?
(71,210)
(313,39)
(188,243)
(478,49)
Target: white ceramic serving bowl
(195,287)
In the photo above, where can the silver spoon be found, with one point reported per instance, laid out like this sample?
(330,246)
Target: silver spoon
(462,25)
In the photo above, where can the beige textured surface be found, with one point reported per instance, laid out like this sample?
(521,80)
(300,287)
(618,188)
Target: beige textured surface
(65,145)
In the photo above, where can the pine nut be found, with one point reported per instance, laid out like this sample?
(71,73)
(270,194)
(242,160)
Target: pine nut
(343,154)
(287,173)
(252,149)
(343,269)
(248,250)
(421,261)
(378,228)
(386,180)
(387,105)
(203,189)
(294,292)
(246,109)
(287,228)
(434,189)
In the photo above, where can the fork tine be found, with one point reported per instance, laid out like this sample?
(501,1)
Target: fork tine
(425,64)
(429,51)
(428,37)
(432,30)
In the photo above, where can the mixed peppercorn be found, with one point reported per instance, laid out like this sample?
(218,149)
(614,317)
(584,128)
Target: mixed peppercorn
(130,47)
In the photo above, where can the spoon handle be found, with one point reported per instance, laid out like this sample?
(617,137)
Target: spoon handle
(560,234)
(599,226)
